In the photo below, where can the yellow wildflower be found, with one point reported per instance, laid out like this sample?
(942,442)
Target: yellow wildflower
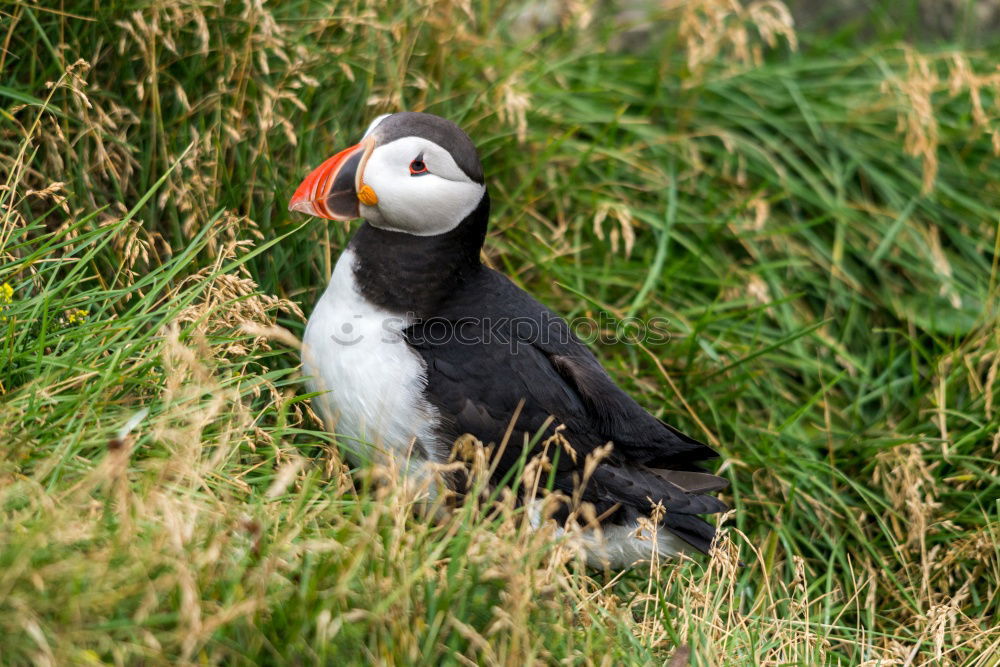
(77,316)
(6,294)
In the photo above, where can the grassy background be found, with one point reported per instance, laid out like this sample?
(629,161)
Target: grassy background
(817,220)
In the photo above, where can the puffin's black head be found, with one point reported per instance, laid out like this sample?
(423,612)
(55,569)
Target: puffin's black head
(412,172)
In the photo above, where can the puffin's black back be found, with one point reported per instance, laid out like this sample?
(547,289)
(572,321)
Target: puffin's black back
(493,346)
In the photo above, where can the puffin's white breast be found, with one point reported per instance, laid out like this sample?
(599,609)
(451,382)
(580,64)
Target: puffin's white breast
(371,381)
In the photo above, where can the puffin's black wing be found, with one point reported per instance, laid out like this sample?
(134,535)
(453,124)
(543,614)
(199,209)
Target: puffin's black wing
(493,347)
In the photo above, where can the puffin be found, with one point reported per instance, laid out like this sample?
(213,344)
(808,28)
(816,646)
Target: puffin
(416,344)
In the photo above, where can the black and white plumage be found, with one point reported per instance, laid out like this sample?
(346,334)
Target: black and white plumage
(415,342)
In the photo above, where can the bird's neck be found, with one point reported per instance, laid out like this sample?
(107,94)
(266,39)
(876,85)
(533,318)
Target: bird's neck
(405,273)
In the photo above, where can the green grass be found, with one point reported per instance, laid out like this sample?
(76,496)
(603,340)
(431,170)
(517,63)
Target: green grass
(823,244)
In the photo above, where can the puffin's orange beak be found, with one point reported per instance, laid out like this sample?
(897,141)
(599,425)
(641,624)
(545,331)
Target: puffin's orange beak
(333,189)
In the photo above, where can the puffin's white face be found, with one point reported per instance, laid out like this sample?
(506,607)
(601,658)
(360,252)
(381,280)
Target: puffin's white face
(419,187)
(397,179)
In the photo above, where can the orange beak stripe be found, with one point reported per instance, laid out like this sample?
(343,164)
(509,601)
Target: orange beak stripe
(331,190)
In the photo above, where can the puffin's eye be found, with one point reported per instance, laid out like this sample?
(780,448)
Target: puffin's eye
(418,168)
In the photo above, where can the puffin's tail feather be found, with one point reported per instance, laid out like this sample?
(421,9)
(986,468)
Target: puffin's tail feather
(692,482)
(692,529)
